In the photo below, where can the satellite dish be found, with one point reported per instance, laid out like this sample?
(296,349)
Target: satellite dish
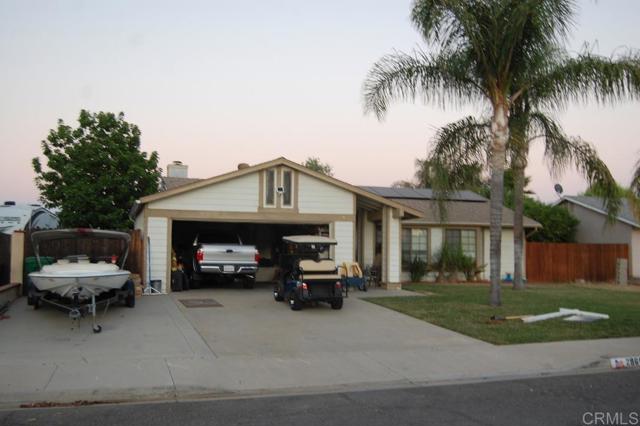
(558,188)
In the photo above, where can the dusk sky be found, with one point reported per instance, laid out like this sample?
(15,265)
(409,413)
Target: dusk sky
(217,83)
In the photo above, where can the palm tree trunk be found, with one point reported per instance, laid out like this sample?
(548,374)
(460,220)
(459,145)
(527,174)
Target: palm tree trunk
(518,215)
(500,131)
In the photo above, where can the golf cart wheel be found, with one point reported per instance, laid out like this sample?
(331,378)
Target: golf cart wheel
(97,328)
(337,304)
(35,302)
(294,301)
(277,295)
(130,298)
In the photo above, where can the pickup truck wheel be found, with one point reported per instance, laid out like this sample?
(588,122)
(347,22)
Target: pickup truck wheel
(294,301)
(249,283)
(195,281)
(337,304)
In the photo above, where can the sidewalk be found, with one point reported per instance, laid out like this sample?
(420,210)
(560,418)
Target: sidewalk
(160,350)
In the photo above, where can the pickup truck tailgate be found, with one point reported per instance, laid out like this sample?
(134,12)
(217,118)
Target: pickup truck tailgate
(228,253)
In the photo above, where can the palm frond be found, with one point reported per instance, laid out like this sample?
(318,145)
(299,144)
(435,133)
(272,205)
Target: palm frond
(635,181)
(588,77)
(400,76)
(459,154)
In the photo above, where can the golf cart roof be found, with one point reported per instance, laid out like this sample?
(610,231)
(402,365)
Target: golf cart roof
(76,233)
(309,239)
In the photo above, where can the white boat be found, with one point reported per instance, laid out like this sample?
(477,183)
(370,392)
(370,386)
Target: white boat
(76,276)
(83,278)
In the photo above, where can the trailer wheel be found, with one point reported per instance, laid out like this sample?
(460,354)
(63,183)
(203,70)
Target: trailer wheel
(130,298)
(97,328)
(337,304)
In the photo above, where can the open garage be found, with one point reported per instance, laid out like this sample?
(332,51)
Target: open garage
(265,237)
(262,203)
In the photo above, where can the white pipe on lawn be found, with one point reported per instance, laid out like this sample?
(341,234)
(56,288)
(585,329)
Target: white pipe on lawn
(564,312)
(551,315)
(585,313)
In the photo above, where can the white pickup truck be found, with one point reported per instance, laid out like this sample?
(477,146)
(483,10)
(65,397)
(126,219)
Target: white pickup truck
(225,257)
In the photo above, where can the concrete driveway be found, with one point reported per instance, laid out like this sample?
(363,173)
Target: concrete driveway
(251,344)
(251,323)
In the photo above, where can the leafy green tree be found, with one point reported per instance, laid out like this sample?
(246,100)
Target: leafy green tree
(503,54)
(316,165)
(96,171)
(558,224)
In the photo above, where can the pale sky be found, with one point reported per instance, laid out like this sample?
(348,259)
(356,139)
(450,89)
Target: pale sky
(216,83)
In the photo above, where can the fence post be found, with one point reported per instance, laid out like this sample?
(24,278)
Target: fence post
(17,257)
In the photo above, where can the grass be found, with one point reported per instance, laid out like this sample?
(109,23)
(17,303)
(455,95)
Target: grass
(464,308)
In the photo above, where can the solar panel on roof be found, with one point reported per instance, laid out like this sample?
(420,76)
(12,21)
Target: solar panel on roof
(421,193)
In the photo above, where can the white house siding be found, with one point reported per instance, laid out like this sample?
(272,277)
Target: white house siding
(157,232)
(436,238)
(369,242)
(316,196)
(394,251)
(236,195)
(506,258)
(343,233)
(635,254)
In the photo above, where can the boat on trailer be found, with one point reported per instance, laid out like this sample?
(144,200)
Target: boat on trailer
(78,283)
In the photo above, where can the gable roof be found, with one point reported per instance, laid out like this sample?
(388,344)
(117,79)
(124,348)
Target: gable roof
(169,182)
(183,187)
(596,204)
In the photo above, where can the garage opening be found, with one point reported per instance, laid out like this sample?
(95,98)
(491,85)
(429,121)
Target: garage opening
(265,237)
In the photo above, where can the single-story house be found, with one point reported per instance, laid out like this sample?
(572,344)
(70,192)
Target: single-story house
(266,201)
(594,228)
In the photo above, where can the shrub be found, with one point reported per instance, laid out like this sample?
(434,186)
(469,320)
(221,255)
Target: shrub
(417,269)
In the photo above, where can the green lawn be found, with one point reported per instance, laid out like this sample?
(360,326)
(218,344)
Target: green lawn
(464,308)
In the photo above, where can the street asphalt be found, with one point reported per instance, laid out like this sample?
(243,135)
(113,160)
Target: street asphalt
(583,399)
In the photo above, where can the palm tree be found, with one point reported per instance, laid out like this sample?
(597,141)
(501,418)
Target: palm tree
(491,52)
(465,142)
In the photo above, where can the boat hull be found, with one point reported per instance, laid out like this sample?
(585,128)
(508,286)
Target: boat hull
(83,284)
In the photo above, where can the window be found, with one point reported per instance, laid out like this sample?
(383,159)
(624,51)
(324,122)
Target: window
(414,246)
(270,188)
(462,238)
(287,187)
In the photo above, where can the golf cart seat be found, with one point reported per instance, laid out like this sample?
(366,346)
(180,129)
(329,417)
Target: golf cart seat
(324,269)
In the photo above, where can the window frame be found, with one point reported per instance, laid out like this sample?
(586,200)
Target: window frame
(273,188)
(460,231)
(291,189)
(405,265)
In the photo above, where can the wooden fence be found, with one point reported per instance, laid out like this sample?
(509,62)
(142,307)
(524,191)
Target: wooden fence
(103,248)
(567,262)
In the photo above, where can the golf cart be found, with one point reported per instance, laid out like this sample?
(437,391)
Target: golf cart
(307,272)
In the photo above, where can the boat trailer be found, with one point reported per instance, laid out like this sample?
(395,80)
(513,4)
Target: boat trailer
(77,309)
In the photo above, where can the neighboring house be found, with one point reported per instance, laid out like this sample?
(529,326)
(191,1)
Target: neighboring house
(594,228)
(266,201)
(22,217)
